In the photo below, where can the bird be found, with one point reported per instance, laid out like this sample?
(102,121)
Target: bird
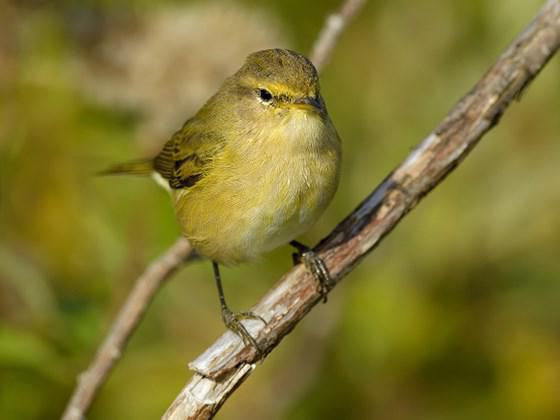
(253,169)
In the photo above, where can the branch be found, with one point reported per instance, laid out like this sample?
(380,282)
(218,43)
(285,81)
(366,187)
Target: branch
(333,27)
(228,362)
(130,315)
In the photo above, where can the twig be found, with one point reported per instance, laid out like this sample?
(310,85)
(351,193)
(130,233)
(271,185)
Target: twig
(127,320)
(333,27)
(228,362)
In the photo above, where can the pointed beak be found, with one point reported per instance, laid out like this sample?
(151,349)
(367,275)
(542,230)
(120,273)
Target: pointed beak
(308,103)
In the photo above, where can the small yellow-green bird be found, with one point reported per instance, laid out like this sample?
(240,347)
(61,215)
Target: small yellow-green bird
(254,168)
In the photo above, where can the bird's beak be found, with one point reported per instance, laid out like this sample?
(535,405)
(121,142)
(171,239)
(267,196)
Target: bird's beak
(308,103)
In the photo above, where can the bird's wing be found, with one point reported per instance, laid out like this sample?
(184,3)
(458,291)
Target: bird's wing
(184,159)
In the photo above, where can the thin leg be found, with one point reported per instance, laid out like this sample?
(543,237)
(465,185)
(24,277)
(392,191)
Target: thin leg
(232,320)
(315,265)
(218,279)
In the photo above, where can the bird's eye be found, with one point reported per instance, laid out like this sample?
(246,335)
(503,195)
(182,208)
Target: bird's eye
(264,95)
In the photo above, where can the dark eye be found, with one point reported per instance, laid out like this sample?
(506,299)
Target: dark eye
(264,95)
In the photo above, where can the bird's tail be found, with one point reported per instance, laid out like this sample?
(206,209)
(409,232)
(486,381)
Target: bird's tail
(136,167)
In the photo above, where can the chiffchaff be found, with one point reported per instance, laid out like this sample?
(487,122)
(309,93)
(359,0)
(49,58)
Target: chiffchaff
(254,168)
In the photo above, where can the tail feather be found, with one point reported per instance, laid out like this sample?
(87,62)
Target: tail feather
(137,167)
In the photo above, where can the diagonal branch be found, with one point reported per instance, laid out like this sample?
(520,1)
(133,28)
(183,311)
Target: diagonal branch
(128,319)
(333,27)
(228,362)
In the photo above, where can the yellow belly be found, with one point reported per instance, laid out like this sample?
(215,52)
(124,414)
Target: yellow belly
(237,219)
(258,195)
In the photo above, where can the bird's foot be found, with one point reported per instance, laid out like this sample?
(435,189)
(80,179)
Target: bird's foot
(315,265)
(232,320)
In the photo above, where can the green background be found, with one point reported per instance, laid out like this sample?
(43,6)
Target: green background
(455,316)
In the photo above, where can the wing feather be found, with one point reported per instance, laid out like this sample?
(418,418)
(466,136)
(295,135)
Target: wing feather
(184,159)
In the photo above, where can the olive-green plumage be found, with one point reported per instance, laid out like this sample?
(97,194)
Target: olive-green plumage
(253,169)
(258,163)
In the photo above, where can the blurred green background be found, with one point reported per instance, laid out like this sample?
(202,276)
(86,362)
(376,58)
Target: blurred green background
(455,316)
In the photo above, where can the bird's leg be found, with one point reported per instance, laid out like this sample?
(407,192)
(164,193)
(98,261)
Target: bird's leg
(232,320)
(315,265)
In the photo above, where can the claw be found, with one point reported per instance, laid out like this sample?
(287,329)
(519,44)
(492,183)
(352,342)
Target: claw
(252,315)
(315,265)
(232,320)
